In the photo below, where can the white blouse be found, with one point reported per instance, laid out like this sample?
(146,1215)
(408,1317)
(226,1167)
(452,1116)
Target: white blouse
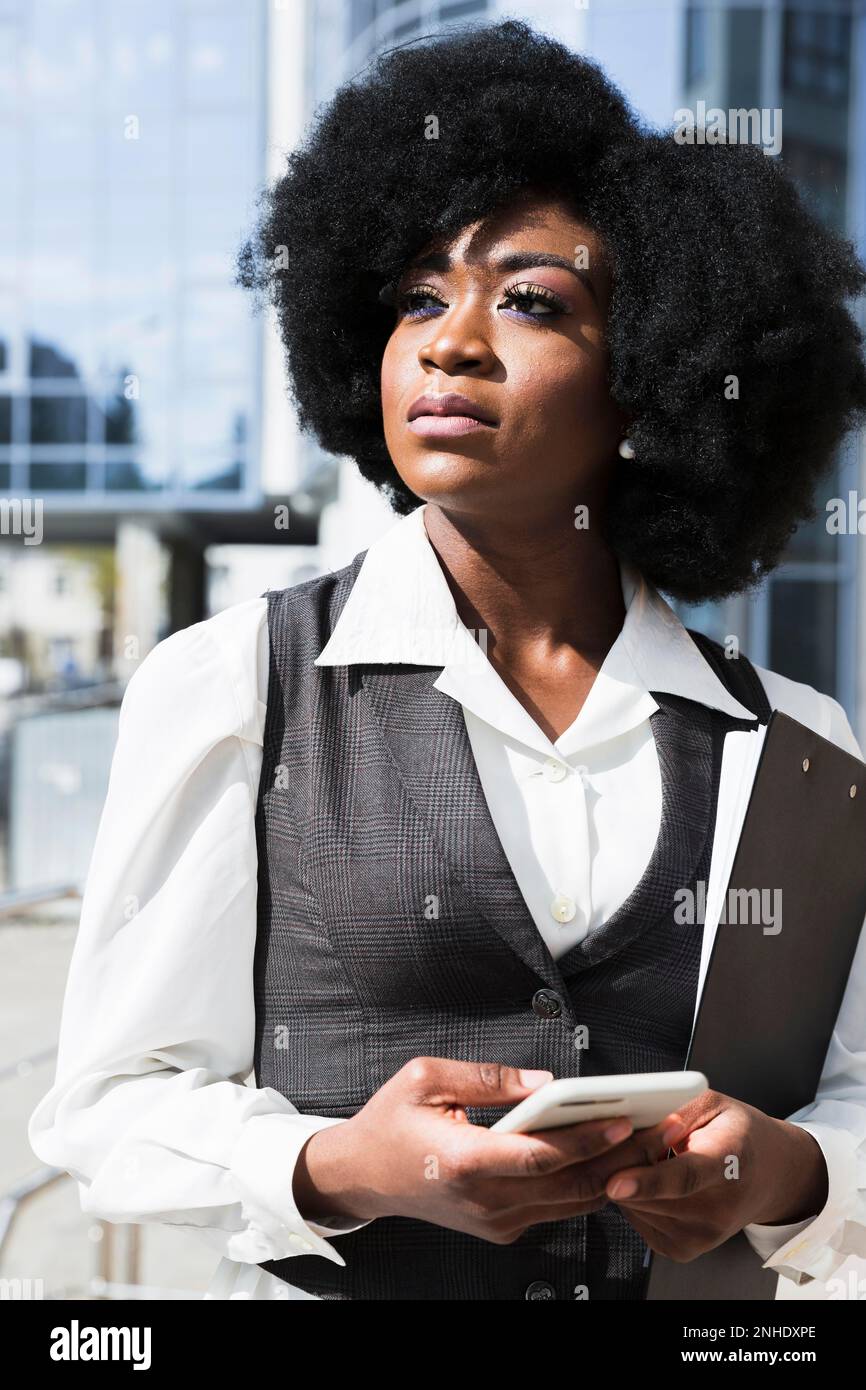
(150,1109)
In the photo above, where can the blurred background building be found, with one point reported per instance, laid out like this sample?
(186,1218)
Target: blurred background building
(145,403)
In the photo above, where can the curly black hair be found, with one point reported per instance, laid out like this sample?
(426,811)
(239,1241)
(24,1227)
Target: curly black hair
(719,272)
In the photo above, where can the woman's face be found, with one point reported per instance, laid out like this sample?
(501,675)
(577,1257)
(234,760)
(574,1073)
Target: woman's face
(511,314)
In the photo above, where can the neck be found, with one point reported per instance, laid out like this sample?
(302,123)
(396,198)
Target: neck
(544,584)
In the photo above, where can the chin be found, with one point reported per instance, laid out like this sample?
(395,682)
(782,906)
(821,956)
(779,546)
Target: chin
(471,497)
(440,473)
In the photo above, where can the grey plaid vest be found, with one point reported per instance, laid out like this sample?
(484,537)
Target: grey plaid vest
(370,809)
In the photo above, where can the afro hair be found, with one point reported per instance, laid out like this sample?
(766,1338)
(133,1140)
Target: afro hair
(720,275)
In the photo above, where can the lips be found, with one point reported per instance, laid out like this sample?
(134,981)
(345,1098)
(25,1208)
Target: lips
(450,405)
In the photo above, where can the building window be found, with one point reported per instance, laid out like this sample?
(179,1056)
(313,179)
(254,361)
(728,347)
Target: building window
(821,174)
(58,476)
(696,45)
(361,16)
(377,24)
(449,10)
(815,54)
(803,630)
(58,420)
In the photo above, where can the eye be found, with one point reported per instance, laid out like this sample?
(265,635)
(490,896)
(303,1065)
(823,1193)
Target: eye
(410,303)
(418,301)
(535,294)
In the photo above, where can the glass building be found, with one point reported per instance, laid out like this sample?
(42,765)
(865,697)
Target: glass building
(343,35)
(132,140)
(803,56)
(134,135)
(807,60)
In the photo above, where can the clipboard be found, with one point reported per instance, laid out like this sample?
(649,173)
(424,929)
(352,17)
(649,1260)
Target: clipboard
(774,987)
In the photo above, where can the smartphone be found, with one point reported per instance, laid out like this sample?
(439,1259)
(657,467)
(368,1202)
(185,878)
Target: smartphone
(644,1097)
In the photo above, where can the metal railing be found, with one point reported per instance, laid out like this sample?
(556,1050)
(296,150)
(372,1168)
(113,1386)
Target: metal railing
(116,1276)
(117,1271)
(20,901)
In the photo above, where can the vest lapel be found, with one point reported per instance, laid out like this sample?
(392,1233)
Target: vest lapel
(684,736)
(425,732)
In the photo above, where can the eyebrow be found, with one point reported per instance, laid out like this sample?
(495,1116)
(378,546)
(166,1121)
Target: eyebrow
(516,260)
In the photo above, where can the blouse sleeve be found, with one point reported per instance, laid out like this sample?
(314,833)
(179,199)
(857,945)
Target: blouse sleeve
(149,1110)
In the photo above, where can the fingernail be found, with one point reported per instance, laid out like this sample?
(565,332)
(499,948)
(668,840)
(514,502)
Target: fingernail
(620,1130)
(673,1133)
(626,1187)
(535,1078)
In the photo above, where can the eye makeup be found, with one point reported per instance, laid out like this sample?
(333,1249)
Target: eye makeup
(414,302)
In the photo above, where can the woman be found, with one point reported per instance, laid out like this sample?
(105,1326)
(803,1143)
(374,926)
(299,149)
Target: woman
(405,838)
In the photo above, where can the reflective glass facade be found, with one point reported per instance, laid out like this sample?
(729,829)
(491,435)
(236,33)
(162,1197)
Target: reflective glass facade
(798,57)
(132,142)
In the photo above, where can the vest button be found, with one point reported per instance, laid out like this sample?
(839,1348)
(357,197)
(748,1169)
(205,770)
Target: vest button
(546,1003)
(540,1289)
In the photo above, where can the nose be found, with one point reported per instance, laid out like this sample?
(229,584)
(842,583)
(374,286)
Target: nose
(458,341)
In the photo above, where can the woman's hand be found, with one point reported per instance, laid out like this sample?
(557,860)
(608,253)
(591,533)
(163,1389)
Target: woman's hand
(736,1166)
(411,1151)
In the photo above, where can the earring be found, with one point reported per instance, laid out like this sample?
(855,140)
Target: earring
(625,449)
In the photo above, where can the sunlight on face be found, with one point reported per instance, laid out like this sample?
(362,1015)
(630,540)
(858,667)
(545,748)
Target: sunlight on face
(511,315)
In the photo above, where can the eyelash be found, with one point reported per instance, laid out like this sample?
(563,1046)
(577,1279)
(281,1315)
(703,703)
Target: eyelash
(527,295)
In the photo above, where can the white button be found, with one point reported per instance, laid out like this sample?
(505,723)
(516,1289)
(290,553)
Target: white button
(554,771)
(563,908)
